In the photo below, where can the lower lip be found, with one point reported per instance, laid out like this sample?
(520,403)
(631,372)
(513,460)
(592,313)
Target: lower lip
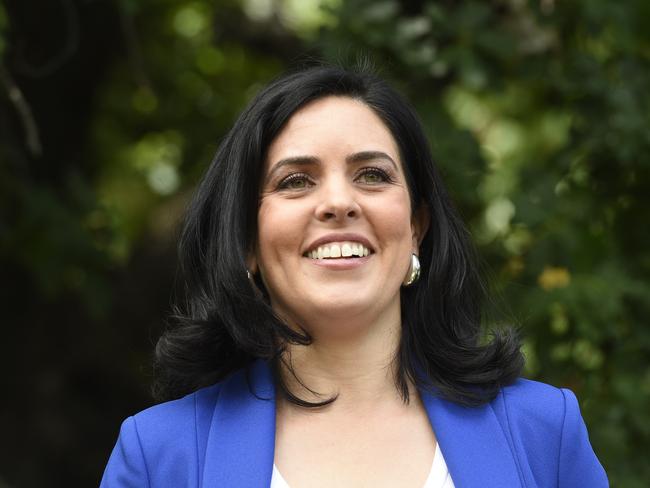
(340,264)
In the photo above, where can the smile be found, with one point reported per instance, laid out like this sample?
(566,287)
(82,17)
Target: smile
(336,250)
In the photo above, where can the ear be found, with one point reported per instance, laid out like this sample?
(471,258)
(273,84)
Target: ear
(419,226)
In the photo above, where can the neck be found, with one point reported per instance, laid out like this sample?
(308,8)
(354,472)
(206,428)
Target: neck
(359,368)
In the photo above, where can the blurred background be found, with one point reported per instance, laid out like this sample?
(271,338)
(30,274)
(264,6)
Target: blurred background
(538,113)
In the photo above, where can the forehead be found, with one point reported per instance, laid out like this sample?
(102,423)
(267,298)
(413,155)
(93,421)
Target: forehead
(332,126)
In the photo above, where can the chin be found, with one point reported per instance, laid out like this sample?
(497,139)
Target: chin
(345,306)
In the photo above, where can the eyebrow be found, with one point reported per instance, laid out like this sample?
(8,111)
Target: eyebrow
(358,157)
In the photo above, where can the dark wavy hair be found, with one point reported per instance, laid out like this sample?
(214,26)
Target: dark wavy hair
(225,323)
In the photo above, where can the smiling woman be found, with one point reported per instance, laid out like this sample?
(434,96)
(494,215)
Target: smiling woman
(331,331)
(334,183)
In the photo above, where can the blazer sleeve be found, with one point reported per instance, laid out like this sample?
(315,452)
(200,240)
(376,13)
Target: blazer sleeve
(126,467)
(579,465)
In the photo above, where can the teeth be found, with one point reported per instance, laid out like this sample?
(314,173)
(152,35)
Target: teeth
(337,250)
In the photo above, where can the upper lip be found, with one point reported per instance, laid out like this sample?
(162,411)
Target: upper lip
(340,237)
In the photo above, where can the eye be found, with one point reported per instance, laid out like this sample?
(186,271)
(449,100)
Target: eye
(373,176)
(296,181)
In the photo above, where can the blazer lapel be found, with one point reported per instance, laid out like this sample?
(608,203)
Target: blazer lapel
(474,446)
(241,441)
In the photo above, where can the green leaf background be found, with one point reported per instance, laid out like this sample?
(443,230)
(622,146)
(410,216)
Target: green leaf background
(538,115)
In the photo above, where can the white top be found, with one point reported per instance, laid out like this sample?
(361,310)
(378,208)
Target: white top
(439,476)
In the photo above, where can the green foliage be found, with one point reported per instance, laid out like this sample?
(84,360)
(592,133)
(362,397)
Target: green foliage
(538,113)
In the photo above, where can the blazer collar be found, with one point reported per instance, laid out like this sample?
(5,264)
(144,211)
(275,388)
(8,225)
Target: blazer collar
(241,440)
(473,443)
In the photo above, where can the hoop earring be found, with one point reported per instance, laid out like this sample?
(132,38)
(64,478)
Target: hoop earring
(414,271)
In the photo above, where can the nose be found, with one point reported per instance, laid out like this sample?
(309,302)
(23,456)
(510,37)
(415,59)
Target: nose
(338,202)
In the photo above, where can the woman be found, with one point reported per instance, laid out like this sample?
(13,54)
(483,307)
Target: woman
(331,331)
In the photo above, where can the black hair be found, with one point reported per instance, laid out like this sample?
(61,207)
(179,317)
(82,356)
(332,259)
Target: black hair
(224,323)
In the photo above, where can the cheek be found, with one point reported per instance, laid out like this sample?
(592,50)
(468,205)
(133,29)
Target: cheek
(279,233)
(392,220)
(267,237)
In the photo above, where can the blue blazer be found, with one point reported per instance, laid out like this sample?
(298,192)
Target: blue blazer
(530,435)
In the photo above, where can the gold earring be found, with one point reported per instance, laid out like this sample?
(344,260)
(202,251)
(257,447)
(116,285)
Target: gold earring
(414,271)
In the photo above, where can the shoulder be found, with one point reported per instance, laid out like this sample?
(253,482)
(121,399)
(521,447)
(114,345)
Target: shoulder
(164,444)
(176,418)
(537,403)
(535,407)
(532,415)
(545,429)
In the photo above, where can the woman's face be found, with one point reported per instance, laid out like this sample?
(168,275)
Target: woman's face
(335,227)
